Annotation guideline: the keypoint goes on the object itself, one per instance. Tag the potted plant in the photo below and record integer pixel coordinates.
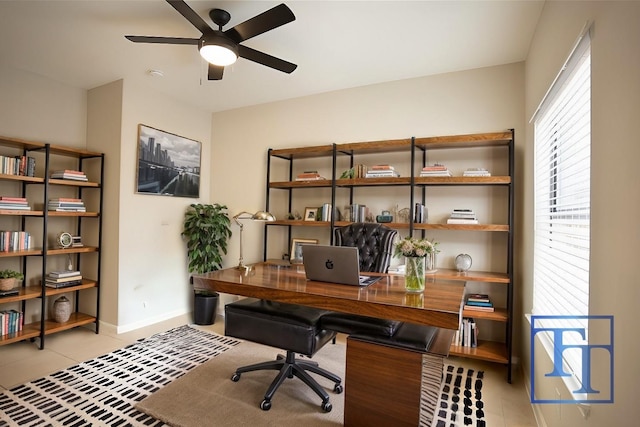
(8, 279)
(207, 229)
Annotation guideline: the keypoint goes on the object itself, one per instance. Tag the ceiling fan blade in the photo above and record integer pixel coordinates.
(215, 72)
(264, 59)
(164, 40)
(195, 19)
(272, 18)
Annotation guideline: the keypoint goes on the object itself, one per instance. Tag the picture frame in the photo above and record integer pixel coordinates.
(295, 255)
(168, 164)
(310, 214)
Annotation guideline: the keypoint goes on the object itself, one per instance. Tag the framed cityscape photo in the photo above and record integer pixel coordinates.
(168, 164)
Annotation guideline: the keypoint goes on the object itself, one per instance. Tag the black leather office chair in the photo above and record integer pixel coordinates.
(375, 248)
(293, 328)
(374, 242)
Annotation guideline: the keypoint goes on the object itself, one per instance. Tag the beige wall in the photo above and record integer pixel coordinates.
(615, 240)
(144, 268)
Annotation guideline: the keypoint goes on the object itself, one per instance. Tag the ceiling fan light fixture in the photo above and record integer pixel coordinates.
(218, 50)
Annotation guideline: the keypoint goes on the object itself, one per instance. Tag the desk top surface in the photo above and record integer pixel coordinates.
(439, 305)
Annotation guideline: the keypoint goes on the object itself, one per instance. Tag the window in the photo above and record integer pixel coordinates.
(562, 128)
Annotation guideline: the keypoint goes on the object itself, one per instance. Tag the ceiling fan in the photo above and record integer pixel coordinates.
(221, 48)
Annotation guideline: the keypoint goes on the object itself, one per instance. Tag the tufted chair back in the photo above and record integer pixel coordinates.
(374, 243)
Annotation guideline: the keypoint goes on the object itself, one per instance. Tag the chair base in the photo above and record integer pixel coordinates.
(290, 366)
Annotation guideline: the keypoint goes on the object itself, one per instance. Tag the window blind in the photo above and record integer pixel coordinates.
(562, 170)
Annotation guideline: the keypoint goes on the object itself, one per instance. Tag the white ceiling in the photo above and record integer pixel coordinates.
(336, 44)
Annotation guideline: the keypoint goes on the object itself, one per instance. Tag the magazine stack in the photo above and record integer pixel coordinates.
(382, 171)
(66, 204)
(462, 216)
(435, 170)
(478, 302)
(73, 175)
(63, 279)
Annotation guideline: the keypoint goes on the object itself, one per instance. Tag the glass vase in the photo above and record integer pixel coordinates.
(430, 263)
(414, 274)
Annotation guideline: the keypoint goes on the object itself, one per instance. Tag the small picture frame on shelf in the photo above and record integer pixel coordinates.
(310, 214)
(295, 255)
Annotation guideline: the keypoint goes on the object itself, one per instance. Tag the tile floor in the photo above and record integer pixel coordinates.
(507, 405)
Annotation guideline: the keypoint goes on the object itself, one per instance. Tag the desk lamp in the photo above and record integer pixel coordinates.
(258, 216)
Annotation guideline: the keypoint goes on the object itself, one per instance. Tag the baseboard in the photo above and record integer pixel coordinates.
(537, 413)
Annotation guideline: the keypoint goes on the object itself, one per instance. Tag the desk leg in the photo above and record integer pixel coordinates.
(382, 385)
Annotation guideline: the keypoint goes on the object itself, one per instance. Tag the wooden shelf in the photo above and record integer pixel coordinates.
(83, 214)
(27, 179)
(20, 212)
(499, 315)
(78, 250)
(465, 141)
(472, 276)
(24, 293)
(26, 252)
(86, 284)
(303, 152)
(76, 319)
(391, 181)
(28, 331)
(73, 183)
(486, 350)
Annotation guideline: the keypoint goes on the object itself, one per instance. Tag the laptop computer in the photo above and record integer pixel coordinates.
(335, 264)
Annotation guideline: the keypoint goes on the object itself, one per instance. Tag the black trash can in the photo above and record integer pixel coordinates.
(205, 307)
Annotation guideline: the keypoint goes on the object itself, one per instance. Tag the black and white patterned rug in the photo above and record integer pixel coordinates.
(104, 390)
(460, 402)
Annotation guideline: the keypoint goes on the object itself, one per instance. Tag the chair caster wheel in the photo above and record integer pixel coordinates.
(235, 377)
(338, 388)
(265, 405)
(327, 406)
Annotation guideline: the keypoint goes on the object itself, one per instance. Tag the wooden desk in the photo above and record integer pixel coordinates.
(439, 305)
(378, 378)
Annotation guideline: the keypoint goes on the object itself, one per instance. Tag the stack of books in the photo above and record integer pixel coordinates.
(15, 241)
(381, 171)
(462, 216)
(479, 302)
(63, 279)
(435, 170)
(476, 172)
(17, 165)
(467, 333)
(69, 174)
(66, 204)
(309, 176)
(10, 321)
(14, 203)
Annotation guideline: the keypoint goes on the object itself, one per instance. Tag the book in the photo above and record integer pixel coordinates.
(478, 297)
(382, 168)
(65, 200)
(9, 293)
(64, 273)
(479, 308)
(461, 221)
(50, 279)
(480, 303)
(381, 174)
(62, 284)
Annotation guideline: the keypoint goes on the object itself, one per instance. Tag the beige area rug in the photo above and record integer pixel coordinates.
(206, 396)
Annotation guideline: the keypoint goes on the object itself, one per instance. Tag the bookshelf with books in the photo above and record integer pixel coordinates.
(32, 198)
(415, 171)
